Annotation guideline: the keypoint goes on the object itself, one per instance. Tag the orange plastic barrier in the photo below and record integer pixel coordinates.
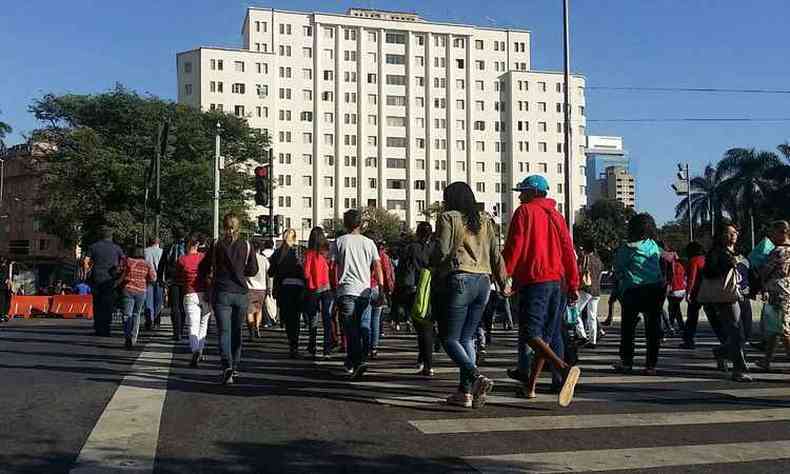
(24, 306)
(72, 306)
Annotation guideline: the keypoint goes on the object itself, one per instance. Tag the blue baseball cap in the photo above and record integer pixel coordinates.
(535, 181)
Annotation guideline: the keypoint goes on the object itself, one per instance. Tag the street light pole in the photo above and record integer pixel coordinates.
(216, 183)
(567, 105)
(688, 200)
(2, 179)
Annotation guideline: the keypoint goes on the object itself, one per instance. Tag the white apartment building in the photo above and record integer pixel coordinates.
(384, 109)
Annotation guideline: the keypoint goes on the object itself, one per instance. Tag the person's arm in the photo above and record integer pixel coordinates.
(151, 277)
(569, 261)
(514, 244)
(444, 240)
(496, 261)
(308, 269)
(378, 273)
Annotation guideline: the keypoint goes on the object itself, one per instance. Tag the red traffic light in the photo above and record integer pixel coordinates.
(261, 171)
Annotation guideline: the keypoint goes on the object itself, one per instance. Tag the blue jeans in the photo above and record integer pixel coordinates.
(540, 311)
(464, 302)
(132, 309)
(356, 321)
(230, 312)
(154, 294)
(374, 314)
(320, 302)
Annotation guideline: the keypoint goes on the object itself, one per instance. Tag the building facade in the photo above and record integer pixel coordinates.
(609, 171)
(384, 109)
(42, 256)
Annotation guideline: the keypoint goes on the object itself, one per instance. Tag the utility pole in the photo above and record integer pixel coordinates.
(157, 178)
(569, 217)
(272, 226)
(2, 179)
(216, 182)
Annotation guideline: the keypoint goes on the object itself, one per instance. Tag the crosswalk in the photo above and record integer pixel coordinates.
(687, 394)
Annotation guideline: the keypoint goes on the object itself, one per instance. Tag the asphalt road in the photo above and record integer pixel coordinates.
(70, 402)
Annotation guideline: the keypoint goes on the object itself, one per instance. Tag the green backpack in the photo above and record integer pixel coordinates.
(422, 301)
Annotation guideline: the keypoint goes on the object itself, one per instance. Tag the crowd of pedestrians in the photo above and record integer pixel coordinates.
(449, 282)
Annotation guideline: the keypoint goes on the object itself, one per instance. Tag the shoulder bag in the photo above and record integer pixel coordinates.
(719, 290)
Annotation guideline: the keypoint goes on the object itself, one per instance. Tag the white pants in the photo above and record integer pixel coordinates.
(590, 332)
(198, 313)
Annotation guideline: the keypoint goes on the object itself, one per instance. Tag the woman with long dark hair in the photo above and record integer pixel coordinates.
(319, 293)
(466, 253)
(642, 290)
(288, 273)
(721, 299)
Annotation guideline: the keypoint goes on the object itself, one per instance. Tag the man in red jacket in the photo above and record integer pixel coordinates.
(539, 255)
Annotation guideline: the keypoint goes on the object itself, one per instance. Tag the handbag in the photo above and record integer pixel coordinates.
(719, 290)
(422, 300)
(270, 307)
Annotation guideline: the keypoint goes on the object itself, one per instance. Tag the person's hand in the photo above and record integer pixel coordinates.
(507, 292)
(573, 296)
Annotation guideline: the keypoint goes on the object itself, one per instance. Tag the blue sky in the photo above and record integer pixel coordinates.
(86, 46)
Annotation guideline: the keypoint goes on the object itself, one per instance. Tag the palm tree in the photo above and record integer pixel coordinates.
(744, 181)
(5, 129)
(704, 201)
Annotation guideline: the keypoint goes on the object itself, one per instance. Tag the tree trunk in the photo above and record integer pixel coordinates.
(751, 225)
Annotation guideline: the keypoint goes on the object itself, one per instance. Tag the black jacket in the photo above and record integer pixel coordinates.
(414, 258)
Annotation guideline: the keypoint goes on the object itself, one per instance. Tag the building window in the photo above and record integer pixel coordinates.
(542, 146)
(395, 59)
(237, 88)
(307, 30)
(395, 38)
(188, 89)
(238, 110)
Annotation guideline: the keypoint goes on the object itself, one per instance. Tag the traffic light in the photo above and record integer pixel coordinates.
(264, 224)
(262, 186)
(279, 223)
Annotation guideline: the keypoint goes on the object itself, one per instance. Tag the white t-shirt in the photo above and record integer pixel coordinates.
(260, 281)
(354, 254)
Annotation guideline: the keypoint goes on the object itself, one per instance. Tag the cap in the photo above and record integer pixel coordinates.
(536, 182)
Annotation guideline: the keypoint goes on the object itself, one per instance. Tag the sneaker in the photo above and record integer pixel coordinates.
(374, 354)
(721, 362)
(195, 359)
(741, 377)
(128, 343)
(227, 377)
(621, 368)
(601, 333)
(480, 389)
(582, 341)
(460, 399)
(426, 373)
(516, 374)
(419, 366)
(566, 393)
(359, 371)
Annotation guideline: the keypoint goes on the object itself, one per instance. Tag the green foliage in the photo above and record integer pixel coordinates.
(604, 223)
(5, 130)
(432, 212)
(105, 144)
(382, 224)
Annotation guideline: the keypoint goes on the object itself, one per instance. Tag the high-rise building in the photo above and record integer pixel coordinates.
(608, 170)
(384, 109)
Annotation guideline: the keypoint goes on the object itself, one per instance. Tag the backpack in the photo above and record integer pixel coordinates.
(678, 282)
(422, 300)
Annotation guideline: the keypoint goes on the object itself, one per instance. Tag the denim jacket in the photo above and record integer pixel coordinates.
(458, 250)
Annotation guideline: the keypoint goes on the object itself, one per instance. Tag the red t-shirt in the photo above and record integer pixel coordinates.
(187, 273)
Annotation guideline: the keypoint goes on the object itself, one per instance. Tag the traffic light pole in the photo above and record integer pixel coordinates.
(569, 217)
(216, 183)
(272, 227)
(688, 200)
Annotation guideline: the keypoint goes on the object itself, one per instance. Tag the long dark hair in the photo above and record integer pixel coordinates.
(317, 240)
(458, 196)
(641, 227)
(721, 230)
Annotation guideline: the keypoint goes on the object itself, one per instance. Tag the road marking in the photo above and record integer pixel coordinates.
(617, 420)
(125, 437)
(631, 459)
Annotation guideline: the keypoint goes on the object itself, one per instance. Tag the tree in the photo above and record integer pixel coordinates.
(104, 144)
(704, 200)
(603, 223)
(744, 177)
(382, 224)
(432, 212)
(5, 130)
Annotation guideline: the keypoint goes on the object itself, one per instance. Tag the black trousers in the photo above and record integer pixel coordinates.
(290, 299)
(177, 312)
(692, 319)
(103, 305)
(675, 313)
(648, 300)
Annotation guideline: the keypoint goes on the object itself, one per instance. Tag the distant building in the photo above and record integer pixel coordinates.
(22, 238)
(385, 109)
(609, 173)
